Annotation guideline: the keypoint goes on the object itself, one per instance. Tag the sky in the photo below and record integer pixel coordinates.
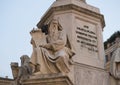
(19, 17)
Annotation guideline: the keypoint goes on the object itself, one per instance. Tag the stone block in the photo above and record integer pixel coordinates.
(49, 79)
(88, 75)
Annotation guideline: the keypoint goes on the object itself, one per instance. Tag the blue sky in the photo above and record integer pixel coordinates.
(18, 17)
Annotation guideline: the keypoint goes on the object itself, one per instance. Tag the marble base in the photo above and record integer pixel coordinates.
(50, 79)
(88, 75)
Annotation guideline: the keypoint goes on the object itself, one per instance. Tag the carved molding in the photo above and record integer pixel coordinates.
(49, 79)
(4, 81)
(71, 7)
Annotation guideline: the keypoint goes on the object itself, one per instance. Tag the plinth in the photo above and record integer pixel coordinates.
(48, 79)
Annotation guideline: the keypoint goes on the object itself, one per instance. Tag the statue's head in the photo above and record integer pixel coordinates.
(24, 58)
(55, 23)
(54, 27)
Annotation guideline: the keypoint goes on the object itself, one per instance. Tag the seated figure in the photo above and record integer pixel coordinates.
(115, 63)
(54, 56)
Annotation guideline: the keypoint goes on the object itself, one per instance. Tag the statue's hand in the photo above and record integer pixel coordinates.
(47, 46)
(44, 46)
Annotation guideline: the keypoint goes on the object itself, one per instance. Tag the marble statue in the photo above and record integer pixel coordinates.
(21, 72)
(54, 55)
(115, 63)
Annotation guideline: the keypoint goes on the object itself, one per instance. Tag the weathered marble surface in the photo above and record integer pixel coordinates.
(21, 72)
(115, 67)
(88, 75)
(115, 63)
(48, 79)
(55, 55)
(82, 26)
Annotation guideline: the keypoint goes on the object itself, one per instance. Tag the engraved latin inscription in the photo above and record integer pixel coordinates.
(87, 38)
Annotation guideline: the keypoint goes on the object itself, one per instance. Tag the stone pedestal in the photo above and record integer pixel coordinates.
(50, 79)
(83, 25)
(89, 75)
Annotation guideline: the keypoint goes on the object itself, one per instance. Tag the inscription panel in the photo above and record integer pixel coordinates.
(87, 38)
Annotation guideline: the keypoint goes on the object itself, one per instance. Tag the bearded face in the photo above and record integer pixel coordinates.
(53, 29)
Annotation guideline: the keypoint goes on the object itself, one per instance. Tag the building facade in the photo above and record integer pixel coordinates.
(5, 81)
(110, 45)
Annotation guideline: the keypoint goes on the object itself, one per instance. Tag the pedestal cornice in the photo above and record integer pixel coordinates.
(48, 79)
(71, 7)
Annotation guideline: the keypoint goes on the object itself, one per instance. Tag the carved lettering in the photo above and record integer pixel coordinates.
(86, 30)
(87, 38)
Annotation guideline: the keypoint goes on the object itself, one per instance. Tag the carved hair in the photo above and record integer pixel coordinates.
(56, 22)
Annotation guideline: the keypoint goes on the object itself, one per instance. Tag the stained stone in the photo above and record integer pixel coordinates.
(69, 51)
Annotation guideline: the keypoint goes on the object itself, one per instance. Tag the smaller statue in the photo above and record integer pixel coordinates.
(21, 72)
(15, 69)
(115, 63)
